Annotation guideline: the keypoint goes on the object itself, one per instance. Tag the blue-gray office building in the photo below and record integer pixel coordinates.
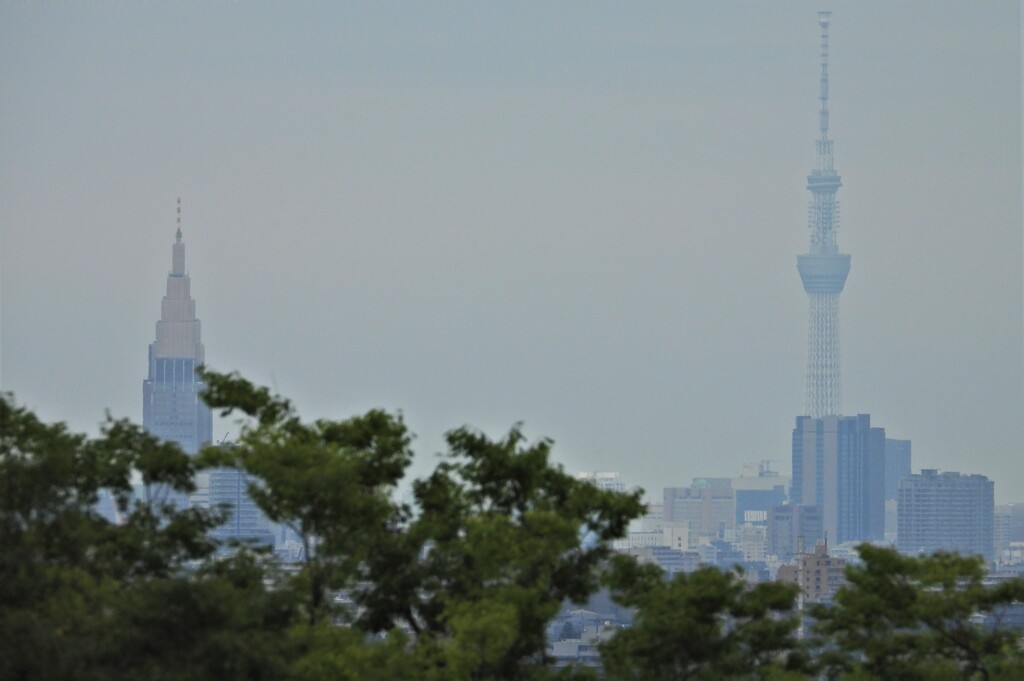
(897, 466)
(229, 489)
(945, 511)
(839, 465)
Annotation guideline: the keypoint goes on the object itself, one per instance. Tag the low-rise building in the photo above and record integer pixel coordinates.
(818, 574)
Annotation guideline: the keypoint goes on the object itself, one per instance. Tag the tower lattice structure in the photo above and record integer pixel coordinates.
(823, 269)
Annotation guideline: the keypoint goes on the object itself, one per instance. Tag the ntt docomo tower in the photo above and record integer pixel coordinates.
(823, 268)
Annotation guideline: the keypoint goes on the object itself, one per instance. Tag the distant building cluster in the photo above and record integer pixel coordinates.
(757, 522)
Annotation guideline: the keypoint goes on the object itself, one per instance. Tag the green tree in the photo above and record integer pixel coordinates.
(329, 481)
(82, 598)
(915, 617)
(499, 538)
(217, 622)
(708, 624)
(502, 538)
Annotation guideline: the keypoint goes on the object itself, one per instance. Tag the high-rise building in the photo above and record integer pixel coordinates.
(1008, 528)
(945, 511)
(171, 405)
(839, 464)
(823, 268)
(818, 574)
(791, 528)
(757, 490)
(707, 507)
(897, 466)
(753, 506)
(229, 489)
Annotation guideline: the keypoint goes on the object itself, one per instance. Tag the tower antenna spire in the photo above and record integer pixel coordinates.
(177, 234)
(824, 143)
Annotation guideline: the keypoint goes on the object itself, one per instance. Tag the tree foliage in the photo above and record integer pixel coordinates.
(329, 481)
(500, 537)
(708, 624)
(917, 617)
(460, 585)
(83, 598)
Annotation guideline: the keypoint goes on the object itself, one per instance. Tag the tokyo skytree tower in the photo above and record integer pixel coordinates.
(823, 269)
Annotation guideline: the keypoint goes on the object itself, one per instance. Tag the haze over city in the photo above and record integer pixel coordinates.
(580, 216)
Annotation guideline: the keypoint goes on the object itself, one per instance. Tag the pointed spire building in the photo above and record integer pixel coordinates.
(171, 406)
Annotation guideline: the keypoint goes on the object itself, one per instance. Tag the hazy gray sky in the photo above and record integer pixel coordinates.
(582, 215)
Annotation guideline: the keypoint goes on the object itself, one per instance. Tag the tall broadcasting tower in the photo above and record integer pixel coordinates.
(823, 269)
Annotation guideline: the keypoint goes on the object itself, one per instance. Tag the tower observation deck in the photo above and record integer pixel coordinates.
(823, 268)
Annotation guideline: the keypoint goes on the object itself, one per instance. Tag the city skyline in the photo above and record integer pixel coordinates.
(585, 221)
